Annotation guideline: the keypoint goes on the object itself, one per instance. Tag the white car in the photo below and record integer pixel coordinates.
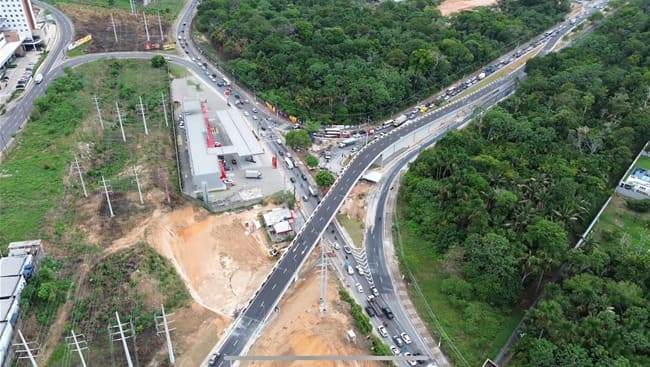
(382, 331)
(359, 287)
(394, 350)
(406, 338)
(410, 361)
(336, 246)
(246, 113)
(360, 270)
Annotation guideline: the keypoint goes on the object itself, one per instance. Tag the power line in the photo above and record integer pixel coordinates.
(81, 177)
(121, 338)
(164, 328)
(27, 352)
(79, 345)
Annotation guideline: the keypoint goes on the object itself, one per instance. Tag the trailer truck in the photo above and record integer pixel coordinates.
(384, 307)
(312, 191)
(399, 120)
(251, 173)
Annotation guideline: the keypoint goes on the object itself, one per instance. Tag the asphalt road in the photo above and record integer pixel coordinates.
(14, 119)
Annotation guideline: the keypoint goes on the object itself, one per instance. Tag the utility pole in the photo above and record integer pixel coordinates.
(164, 106)
(81, 177)
(162, 35)
(132, 6)
(165, 329)
(108, 199)
(77, 345)
(323, 278)
(119, 117)
(146, 27)
(114, 30)
(144, 119)
(99, 112)
(137, 182)
(121, 338)
(27, 352)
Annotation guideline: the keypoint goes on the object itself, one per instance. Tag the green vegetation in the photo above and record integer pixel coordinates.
(324, 179)
(643, 162)
(347, 61)
(282, 197)
(311, 161)
(78, 51)
(298, 139)
(489, 213)
(354, 227)
(158, 61)
(619, 223)
(42, 199)
(361, 319)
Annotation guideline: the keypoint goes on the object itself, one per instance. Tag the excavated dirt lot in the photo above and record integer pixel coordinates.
(130, 29)
(456, 6)
(354, 206)
(300, 329)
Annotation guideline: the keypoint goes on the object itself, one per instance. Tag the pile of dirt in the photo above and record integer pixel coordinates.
(355, 204)
(130, 28)
(300, 329)
(449, 7)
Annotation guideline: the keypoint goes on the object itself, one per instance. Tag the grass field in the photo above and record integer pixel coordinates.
(354, 228)
(643, 162)
(476, 330)
(620, 225)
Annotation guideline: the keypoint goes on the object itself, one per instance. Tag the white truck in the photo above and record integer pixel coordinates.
(252, 173)
(312, 191)
(347, 142)
(288, 162)
(38, 78)
(399, 120)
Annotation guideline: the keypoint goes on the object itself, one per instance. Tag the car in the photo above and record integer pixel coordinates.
(394, 350)
(237, 96)
(398, 340)
(374, 291)
(347, 249)
(254, 110)
(228, 181)
(370, 311)
(292, 179)
(167, 58)
(261, 127)
(406, 338)
(246, 113)
(336, 246)
(382, 331)
(255, 118)
(304, 177)
(233, 161)
(411, 362)
(214, 358)
(305, 198)
(359, 287)
(421, 361)
(360, 270)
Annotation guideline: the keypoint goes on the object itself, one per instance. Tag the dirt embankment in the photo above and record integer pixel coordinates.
(300, 329)
(129, 28)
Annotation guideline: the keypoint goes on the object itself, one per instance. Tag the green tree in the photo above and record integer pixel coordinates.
(324, 179)
(298, 139)
(158, 61)
(311, 161)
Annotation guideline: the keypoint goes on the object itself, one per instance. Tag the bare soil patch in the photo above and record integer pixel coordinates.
(355, 204)
(130, 29)
(300, 329)
(449, 7)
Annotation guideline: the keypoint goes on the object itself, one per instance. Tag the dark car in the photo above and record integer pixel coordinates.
(214, 359)
(292, 179)
(370, 311)
(304, 177)
(234, 161)
(398, 340)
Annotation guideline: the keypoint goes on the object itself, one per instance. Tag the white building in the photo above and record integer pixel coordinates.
(19, 17)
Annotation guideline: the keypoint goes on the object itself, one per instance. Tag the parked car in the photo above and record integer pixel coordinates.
(394, 350)
(336, 246)
(411, 362)
(370, 311)
(398, 340)
(359, 287)
(382, 331)
(406, 338)
(347, 249)
(292, 179)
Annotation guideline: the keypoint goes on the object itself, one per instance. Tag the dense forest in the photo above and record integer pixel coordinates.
(347, 61)
(507, 197)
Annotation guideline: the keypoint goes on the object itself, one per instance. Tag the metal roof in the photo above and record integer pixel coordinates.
(12, 265)
(8, 286)
(244, 142)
